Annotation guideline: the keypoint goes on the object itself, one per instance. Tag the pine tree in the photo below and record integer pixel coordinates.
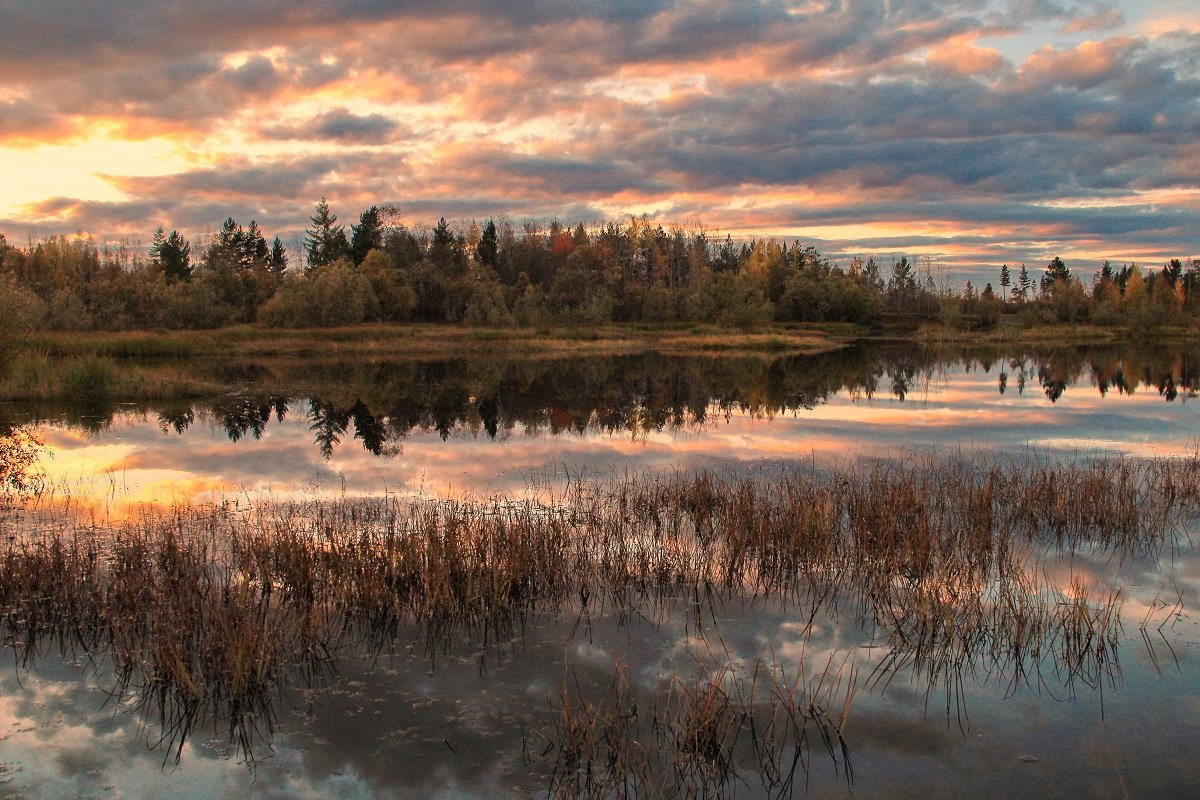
(255, 252)
(903, 281)
(173, 254)
(488, 250)
(1056, 273)
(1173, 271)
(325, 241)
(1005, 281)
(367, 235)
(277, 262)
(441, 251)
(1024, 284)
(156, 245)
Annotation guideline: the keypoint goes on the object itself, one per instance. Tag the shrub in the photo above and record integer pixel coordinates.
(89, 378)
(21, 311)
(333, 295)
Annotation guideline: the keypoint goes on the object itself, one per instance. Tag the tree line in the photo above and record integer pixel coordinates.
(494, 274)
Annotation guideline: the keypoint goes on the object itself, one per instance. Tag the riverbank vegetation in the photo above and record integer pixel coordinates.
(499, 277)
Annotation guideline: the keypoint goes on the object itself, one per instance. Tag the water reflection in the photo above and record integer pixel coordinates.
(645, 392)
(947, 701)
(471, 716)
(20, 452)
(454, 426)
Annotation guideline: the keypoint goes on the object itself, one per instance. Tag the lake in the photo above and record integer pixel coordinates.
(908, 679)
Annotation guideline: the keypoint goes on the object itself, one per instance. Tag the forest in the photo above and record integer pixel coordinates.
(497, 275)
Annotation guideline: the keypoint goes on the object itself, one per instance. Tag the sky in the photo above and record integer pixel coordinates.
(973, 132)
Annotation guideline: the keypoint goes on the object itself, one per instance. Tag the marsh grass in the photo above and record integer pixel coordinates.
(209, 613)
(122, 345)
(96, 379)
(707, 732)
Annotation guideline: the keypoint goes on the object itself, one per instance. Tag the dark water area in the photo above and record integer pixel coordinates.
(475, 713)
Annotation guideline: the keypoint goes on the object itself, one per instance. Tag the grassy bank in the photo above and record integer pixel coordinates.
(437, 340)
(33, 375)
(141, 366)
(418, 340)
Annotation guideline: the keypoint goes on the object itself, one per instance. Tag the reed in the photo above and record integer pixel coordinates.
(699, 734)
(207, 613)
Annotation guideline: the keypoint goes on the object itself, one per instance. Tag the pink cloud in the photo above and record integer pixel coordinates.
(962, 56)
(1083, 66)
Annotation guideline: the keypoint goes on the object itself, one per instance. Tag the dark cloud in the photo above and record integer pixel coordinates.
(239, 178)
(339, 125)
(26, 121)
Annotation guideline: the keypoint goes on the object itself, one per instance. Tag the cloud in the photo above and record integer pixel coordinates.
(24, 122)
(239, 177)
(768, 115)
(962, 56)
(1082, 67)
(1105, 20)
(339, 125)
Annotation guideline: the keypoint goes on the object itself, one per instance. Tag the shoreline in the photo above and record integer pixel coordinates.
(147, 365)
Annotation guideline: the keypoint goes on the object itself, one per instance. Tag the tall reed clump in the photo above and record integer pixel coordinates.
(207, 612)
(699, 734)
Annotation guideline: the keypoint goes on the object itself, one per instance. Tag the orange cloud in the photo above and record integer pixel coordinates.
(962, 56)
(1082, 66)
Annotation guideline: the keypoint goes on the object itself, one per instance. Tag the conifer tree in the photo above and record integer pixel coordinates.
(488, 249)
(367, 235)
(173, 254)
(255, 252)
(441, 250)
(1024, 284)
(277, 262)
(1056, 274)
(325, 241)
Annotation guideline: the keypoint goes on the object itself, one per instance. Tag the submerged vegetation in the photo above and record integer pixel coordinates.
(209, 614)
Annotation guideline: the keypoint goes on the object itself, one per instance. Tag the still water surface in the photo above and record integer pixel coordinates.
(466, 720)
(453, 427)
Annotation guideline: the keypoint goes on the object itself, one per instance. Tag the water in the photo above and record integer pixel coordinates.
(468, 718)
(453, 427)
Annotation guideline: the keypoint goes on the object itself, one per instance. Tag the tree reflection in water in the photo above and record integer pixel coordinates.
(387, 402)
(20, 474)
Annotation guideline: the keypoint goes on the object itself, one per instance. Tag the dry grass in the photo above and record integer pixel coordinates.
(207, 613)
(705, 733)
(443, 340)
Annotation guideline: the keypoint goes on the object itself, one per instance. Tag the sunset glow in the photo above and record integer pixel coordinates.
(974, 133)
